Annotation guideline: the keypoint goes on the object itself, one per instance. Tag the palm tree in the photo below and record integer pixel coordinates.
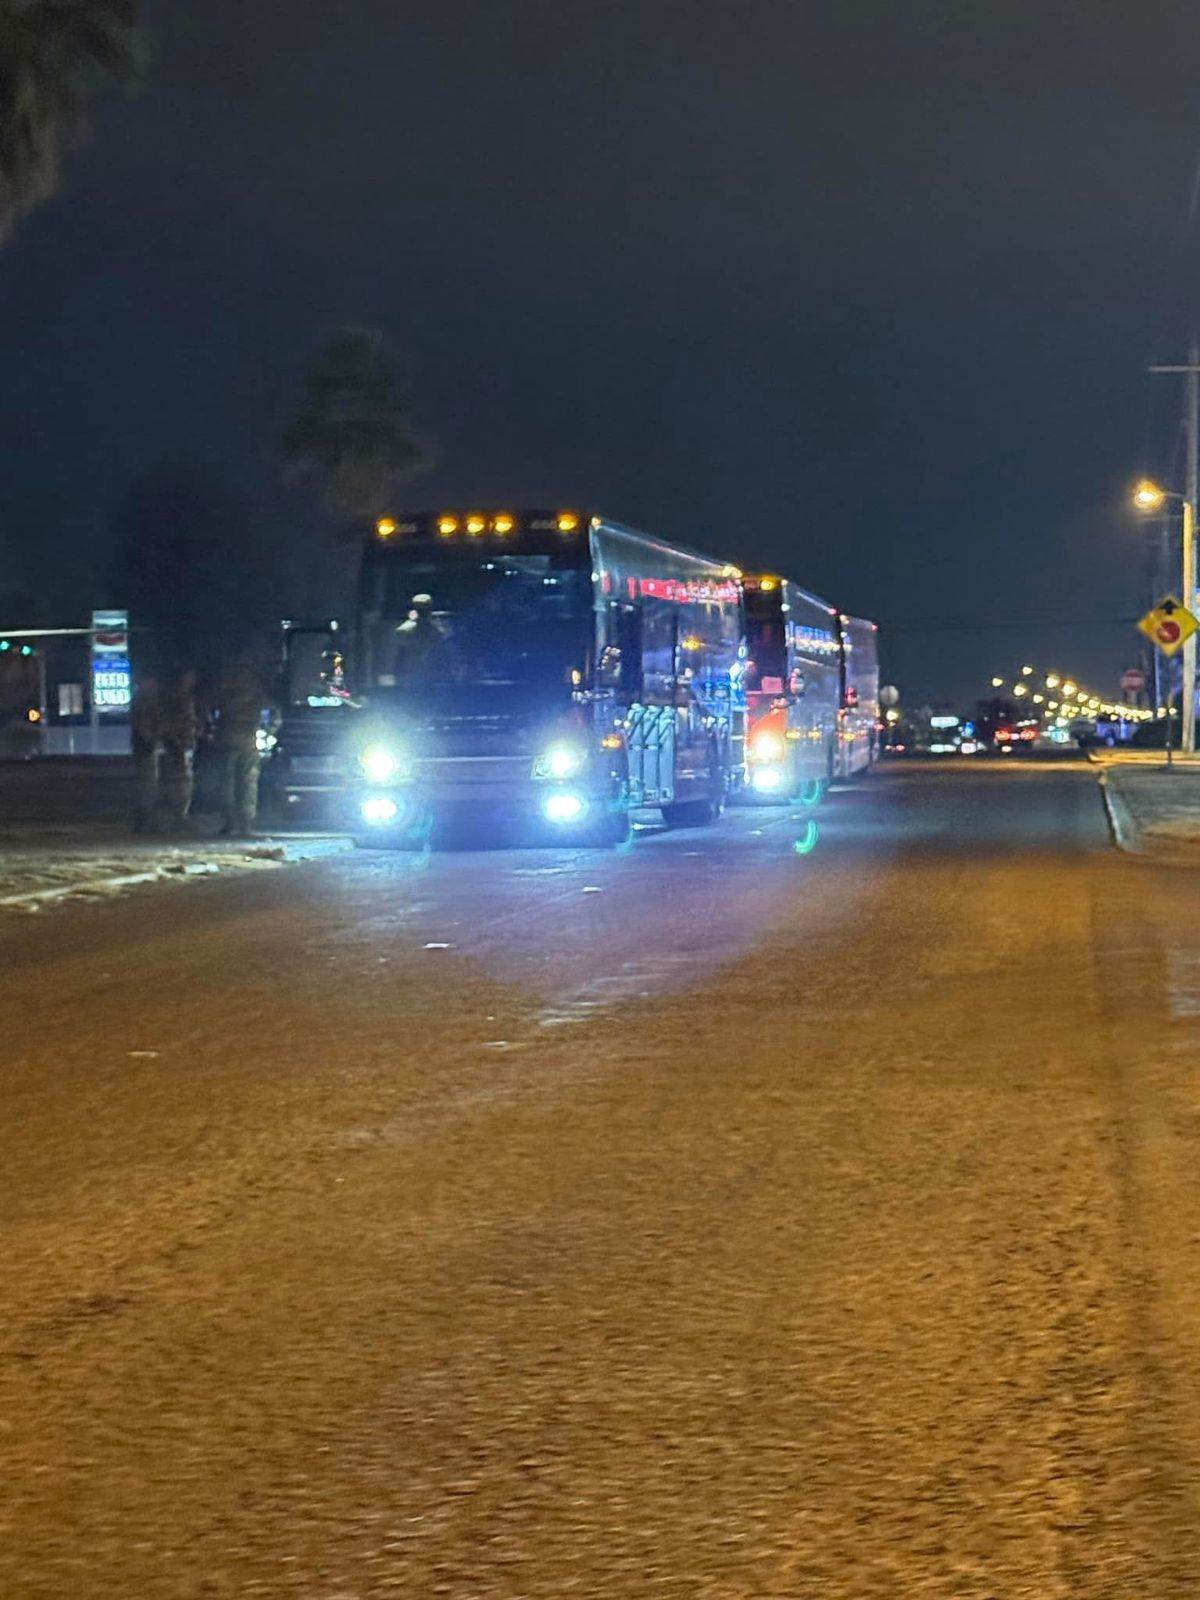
(52, 54)
(350, 432)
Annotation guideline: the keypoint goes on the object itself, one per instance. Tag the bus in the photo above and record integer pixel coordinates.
(792, 687)
(543, 667)
(858, 716)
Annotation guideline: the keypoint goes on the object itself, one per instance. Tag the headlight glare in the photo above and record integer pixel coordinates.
(558, 762)
(564, 808)
(380, 763)
(767, 747)
(768, 780)
(379, 809)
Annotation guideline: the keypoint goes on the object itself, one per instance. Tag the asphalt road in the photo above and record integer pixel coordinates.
(718, 1219)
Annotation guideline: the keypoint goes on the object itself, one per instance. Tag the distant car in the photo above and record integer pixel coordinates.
(1007, 740)
(1152, 735)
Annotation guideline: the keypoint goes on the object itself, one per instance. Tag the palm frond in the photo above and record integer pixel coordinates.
(350, 432)
(53, 55)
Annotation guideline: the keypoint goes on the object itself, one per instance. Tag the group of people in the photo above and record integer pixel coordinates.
(170, 721)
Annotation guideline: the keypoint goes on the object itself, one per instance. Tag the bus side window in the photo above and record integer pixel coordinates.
(660, 651)
(620, 665)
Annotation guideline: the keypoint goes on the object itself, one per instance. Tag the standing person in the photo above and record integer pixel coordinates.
(146, 726)
(239, 707)
(180, 729)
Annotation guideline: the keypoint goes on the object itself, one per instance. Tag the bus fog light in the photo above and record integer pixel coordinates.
(379, 809)
(563, 808)
(767, 780)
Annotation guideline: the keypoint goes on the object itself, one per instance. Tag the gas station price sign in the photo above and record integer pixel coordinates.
(112, 675)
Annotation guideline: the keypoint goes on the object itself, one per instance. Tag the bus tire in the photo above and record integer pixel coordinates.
(611, 830)
(692, 813)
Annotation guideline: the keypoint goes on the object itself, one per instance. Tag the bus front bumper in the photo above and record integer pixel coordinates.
(482, 808)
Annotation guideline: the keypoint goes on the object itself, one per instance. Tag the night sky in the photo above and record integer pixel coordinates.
(861, 291)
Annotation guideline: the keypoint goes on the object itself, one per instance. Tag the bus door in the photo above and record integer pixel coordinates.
(674, 667)
(649, 728)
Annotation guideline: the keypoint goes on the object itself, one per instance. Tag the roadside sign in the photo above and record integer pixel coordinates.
(889, 695)
(70, 699)
(112, 679)
(1170, 625)
(1133, 680)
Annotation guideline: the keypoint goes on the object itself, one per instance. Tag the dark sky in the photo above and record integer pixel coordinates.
(862, 291)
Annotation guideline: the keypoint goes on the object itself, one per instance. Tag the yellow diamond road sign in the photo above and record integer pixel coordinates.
(1169, 626)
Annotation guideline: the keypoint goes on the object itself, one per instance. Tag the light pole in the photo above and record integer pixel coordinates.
(1150, 496)
(1190, 371)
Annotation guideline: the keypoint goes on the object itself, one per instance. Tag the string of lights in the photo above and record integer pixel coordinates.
(1056, 699)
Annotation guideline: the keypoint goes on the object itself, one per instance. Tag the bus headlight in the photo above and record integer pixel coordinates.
(382, 763)
(559, 761)
(264, 741)
(767, 747)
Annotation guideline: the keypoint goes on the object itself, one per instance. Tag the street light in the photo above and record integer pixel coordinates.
(1150, 496)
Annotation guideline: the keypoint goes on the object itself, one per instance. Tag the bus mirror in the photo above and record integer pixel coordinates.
(608, 668)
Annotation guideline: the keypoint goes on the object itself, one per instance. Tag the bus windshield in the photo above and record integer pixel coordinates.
(513, 625)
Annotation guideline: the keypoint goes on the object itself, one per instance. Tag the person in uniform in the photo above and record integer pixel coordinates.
(180, 729)
(146, 726)
(239, 706)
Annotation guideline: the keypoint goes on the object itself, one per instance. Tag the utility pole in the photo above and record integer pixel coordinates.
(1191, 371)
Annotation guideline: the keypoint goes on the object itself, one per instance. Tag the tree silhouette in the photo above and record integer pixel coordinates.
(190, 565)
(350, 432)
(53, 55)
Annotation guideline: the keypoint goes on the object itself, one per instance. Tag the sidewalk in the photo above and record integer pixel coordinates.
(1153, 811)
(64, 834)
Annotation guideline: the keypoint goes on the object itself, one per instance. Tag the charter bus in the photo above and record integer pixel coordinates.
(792, 683)
(532, 667)
(858, 717)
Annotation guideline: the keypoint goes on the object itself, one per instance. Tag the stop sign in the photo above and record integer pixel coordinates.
(1133, 680)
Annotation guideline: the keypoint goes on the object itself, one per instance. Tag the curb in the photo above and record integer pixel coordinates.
(127, 880)
(1120, 819)
(294, 850)
(334, 844)
(1131, 841)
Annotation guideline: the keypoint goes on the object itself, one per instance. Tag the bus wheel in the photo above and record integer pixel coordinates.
(611, 830)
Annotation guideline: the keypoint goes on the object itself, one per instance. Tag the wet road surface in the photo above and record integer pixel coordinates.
(718, 1219)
